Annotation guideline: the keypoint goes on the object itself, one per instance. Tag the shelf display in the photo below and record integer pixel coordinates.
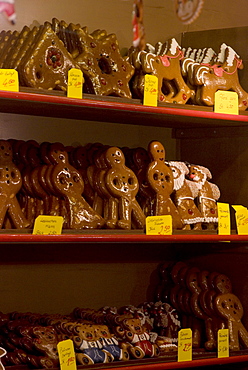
(86, 184)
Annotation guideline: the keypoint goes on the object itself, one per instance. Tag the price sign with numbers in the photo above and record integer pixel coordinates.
(226, 102)
(48, 225)
(224, 222)
(67, 359)
(9, 80)
(75, 83)
(223, 343)
(184, 345)
(241, 216)
(151, 91)
(159, 225)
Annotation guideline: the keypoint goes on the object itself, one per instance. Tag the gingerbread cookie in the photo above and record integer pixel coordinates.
(10, 183)
(123, 185)
(68, 183)
(230, 308)
(47, 63)
(208, 194)
(223, 75)
(106, 71)
(160, 179)
(185, 192)
(171, 85)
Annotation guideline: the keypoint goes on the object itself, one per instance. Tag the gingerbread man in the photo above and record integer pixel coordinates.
(122, 184)
(160, 178)
(68, 183)
(10, 185)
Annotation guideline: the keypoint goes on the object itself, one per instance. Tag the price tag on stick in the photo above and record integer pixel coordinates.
(223, 343)
(159, 225)
(151, 91)
(241, 216)
(48, 225)
(75, 83)
(224, 222)
(226, 102)
(185, 345)
(9, 80)
(67, 359)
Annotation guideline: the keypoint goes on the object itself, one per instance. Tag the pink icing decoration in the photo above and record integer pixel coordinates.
(165, 60)
(218, 71)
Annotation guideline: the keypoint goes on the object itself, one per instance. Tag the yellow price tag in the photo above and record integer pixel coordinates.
(184, 345)
(159, 225)
(224, 222)
(9, 80)
(226, 102)
(241, 216)
(48, 225)
(151, 91)
(66, 353)
(75, 83)
(223, 343)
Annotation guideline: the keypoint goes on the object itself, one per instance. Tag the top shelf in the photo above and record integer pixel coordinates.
(114, 110)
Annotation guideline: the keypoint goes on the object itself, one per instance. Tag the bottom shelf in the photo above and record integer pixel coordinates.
(200, 360)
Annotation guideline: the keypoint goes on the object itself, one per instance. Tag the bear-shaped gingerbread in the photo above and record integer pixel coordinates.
(136, 339)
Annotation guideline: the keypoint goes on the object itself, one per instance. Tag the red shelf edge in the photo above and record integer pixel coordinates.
(42, 98)
(183, 365)
(120, 238)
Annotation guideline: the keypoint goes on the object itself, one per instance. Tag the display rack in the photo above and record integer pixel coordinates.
(110, 109)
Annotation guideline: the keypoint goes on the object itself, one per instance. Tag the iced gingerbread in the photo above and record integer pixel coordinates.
(185, 192)
(208, 194)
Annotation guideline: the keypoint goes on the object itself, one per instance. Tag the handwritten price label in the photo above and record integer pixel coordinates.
(151, 91)
(184, 345)
(159, 225)
(48, 225)
(224, 222)
(241, 216)
(223, 343)
(67, 357)
(75, 83)
(9, 80)
(226, 102)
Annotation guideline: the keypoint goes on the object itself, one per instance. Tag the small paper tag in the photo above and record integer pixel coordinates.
(75, 83)
(184, 345)
(159, 225)
(241, 216)
(226, 102)
(224, 223)
(9, 80)
(67, 357)
(48, 225)
(223, 343)
(151, 91)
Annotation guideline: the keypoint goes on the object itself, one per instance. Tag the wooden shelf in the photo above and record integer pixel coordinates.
(115, 110)
(156, 365)
(126, 237)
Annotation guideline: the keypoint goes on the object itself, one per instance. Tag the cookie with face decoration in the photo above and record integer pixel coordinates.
(208, 194)
(185, 192)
